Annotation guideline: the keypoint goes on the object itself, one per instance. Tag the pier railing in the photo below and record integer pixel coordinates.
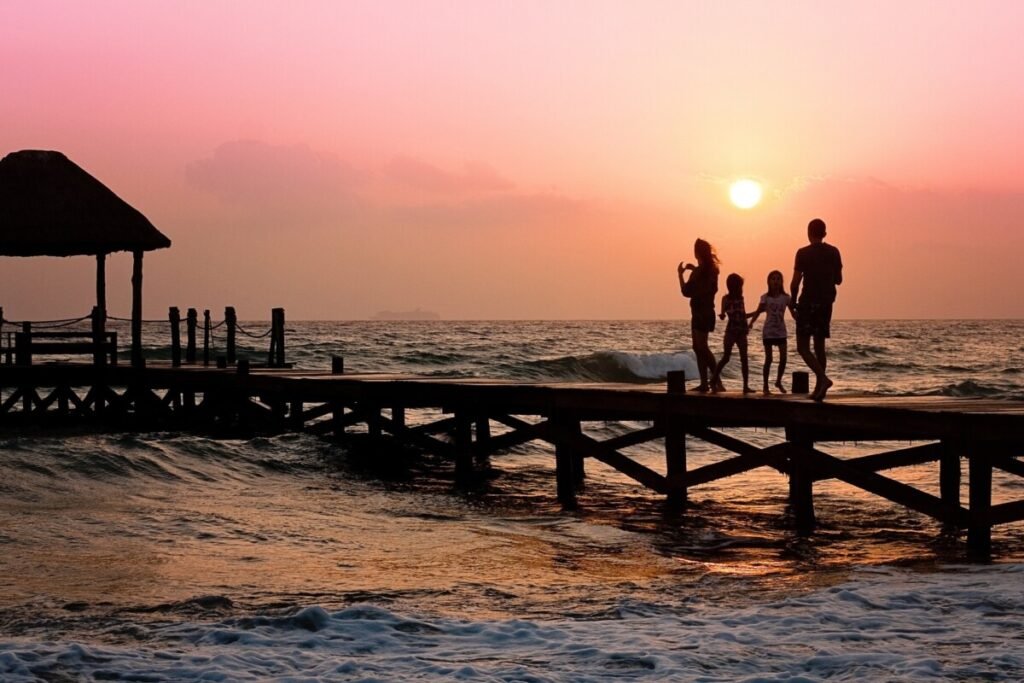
(22, 341)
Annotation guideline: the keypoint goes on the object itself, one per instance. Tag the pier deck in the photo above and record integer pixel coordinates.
(988, 434)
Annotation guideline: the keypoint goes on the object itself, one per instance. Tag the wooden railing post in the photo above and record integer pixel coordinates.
(231, 322)
(174, 316)
(276, 359)
(191, 322)
(206, 337)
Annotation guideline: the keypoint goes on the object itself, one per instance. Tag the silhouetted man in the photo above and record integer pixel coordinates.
(820, 268)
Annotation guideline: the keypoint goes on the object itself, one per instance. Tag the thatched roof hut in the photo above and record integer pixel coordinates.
(49, 206)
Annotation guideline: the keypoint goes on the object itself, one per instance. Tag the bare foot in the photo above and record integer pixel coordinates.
(766, 391)
(702, 389)
(747, 390)
(819, 391)
(778, 385)
(719, 386)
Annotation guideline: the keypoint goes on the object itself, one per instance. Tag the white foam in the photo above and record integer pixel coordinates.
(958, 624)
(657, 365)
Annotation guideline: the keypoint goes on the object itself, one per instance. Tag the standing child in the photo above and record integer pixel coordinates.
(773, 304)
(735, 329)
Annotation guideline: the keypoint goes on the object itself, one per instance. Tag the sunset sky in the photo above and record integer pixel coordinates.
(526, 159)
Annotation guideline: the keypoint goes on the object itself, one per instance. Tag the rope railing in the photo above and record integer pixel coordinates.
(221, 343)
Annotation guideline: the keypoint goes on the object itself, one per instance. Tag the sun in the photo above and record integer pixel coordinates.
(745, 193)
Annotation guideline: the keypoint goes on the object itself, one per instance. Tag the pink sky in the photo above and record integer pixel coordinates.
(526, 159)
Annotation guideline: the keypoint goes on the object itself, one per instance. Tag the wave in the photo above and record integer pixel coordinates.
(882, 624)
(613, 366)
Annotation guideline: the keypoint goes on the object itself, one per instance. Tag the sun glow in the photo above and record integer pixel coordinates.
(745, 193)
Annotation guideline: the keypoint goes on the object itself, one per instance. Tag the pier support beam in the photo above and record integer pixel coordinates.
(949, 472)
(463, 447)
(565, 461)
(979, 530)
(801, 483)
(675, 446)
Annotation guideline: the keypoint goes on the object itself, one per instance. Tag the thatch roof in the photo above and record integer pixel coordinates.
(49, 206)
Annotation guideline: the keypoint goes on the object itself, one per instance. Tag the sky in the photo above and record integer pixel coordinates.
(526, 159)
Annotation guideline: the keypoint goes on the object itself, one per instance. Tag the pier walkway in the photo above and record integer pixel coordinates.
(468, 420)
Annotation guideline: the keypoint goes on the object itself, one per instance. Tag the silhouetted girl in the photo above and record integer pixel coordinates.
(773, 304)
(735, 330)
(701, 288)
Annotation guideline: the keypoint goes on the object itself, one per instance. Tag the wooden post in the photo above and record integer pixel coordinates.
(174, 317)
(801, 484)
(565, 478)
(99, 337)
(231, 322)
(191, 322)
(295, 418)
(137, 360)
(23, 345)
(398, 417)
(949, 473)
(242, 367)
(483, 441)
(206, 337)
(463, 447)
(337, 365)
(801, 383)
(979, 529)
(337, 419)
(675, 445)
(276, 359)
(101, 284)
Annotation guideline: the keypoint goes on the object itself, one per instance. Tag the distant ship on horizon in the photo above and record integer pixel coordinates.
(417, 314)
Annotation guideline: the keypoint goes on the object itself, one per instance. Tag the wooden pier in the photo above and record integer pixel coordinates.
(468, 421)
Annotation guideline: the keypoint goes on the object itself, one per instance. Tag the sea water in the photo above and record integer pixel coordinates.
(171, 556)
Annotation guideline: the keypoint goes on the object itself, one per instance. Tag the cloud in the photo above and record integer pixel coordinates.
(258, 173)
(476, 177)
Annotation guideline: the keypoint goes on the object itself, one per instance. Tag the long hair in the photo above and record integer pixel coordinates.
(782, 282)
(705, 254)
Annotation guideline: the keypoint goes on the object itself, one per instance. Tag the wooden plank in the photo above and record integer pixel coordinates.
(903, 457)
(635, 438)
(1007, 512)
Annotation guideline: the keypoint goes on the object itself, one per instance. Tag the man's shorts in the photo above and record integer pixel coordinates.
(813, 319)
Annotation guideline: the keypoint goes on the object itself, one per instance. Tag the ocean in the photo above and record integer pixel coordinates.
(172, 556)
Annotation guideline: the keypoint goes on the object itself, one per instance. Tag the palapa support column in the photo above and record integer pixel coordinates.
(137, 359)
(801, 483)
(174, 318)
(231, 323)
(675, 445)
(979, 529)
(191, 323)
(99, 337)
(463, 447)
(101, 284)
(565, 461)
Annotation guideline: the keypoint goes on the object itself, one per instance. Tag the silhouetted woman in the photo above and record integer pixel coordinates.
(700, 289)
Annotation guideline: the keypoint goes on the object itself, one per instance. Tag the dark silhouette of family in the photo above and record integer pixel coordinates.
(818, 269)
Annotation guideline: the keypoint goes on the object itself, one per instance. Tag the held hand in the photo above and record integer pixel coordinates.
(721, 316)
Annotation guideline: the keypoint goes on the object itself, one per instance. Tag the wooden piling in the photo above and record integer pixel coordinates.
(801, 483)
(565, 462)
(979, 529)
(949, 472)
(675, 445)
(191, 323)
(276, 359)
(483, 441)
(463, 447)
(174, 318)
